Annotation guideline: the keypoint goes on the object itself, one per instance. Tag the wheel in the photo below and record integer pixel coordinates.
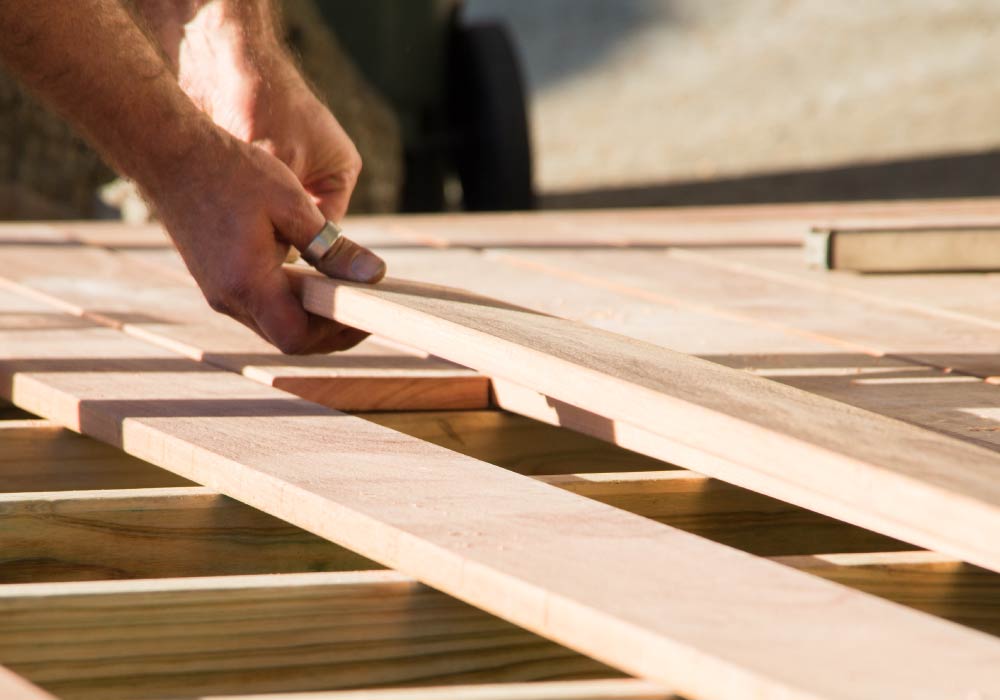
(488, 111)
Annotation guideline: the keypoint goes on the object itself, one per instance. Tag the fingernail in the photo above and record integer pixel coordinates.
(367, 267)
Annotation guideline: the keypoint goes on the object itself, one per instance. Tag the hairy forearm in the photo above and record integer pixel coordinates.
(186, 27)
(91, 61)
(227, 54)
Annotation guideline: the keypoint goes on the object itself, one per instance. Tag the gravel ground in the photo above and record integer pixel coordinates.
(634, 92)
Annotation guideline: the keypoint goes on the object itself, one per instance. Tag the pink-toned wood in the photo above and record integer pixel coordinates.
(649, 599)
(665, 278)
(170, 311)
(812, 451)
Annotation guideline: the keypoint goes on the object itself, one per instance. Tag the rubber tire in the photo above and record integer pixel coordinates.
(488, 110)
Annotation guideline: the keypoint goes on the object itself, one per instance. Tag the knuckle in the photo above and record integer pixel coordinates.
(292, 344)
(217, 303)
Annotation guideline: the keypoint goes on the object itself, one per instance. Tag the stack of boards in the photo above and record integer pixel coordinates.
(630, 455)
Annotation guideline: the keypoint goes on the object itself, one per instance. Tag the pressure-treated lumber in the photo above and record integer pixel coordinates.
(814, 452)
(609, 689)
(151, 533)
(242, 634)
(515, 442)
(397, 500)
(925, 581)
(37, 455)
(170, 311)
(911, 249)
(724, 513)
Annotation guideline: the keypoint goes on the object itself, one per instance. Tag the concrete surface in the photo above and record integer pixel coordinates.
(633, 92)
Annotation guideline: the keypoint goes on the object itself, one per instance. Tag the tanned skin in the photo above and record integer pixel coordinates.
(198, 102)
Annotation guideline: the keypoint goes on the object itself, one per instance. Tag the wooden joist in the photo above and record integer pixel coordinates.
(818, 453)
(398, 504)
(251, 634)
(38, 455)
(152, 533)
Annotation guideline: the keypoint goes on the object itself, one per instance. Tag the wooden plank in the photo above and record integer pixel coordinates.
(838, 369)
(817, 453)
(515, 442)
(925, 581)
(678, 278)
(242, 634)
(150, 533)
(397, 500)
(38, 455)
(913, 249)
(694, 227)
(968, 297)
(609, 689)
(169, 310)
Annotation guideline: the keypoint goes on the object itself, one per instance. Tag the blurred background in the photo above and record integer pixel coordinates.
(510, 104)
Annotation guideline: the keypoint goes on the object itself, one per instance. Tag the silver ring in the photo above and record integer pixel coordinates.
(320, 245)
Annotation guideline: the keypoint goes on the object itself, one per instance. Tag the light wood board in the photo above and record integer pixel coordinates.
(398, 500)
(815, 452)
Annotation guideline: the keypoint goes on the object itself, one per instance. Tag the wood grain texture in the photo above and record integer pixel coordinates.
(677, 278)
(295, 632)
(152, 533)
(167, 309)
(694, 227)
(967, 297)
(515, 442)
(817, 453)
(924, 581)
(474, 530)
(38, 455)
(611, 689)
(725, 513)
(720, 332)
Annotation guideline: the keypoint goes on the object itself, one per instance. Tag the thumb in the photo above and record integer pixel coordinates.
(300, 223)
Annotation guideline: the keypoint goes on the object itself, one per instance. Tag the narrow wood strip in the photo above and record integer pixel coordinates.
(475, 531)
(169, 311)
(967, 297)
(611, 689)
(817, 453)
(845, 371)
(681, 279)
(38, 455)
(151, 533)
(696, 227)
(243, 634)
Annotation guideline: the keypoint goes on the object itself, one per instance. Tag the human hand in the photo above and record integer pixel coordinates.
(233, 210)
(238, 72)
